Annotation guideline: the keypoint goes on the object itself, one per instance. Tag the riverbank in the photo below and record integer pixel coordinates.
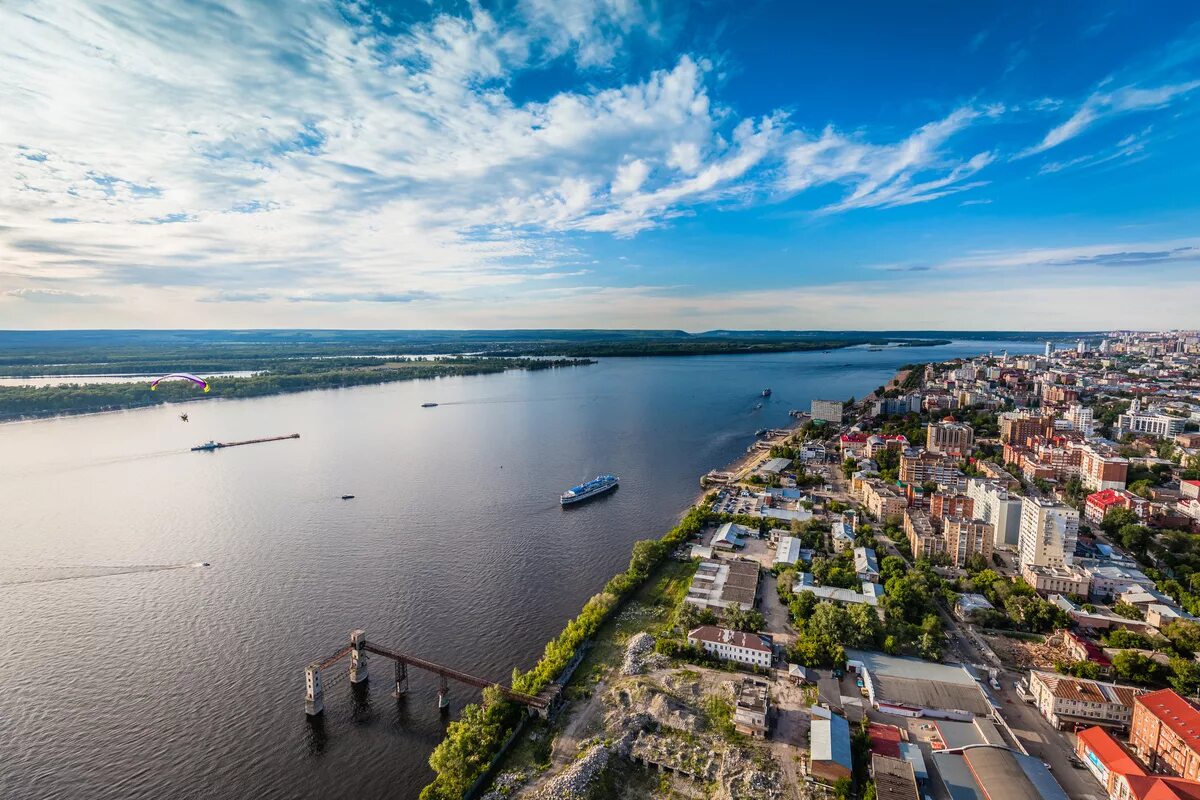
(30, 402)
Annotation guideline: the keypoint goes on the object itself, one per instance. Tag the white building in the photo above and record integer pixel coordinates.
(866, 565)
(1066, 701)
(1150, 422)
(788, 550)
(1081, 419)
(1048, 533)
(842, 536)
(729, 645)
(827, 410)
(993, 504)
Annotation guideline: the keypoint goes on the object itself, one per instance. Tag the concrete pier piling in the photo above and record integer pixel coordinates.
(358, 657)
(314, 690)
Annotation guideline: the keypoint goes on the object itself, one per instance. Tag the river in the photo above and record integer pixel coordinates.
(127, 672)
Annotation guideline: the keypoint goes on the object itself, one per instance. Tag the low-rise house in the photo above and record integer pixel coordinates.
(866, 565)
(1098, 504)
(788, 551)
(752, 708)
(895, 778)
(753, 649)
(1068, 702)
(774, 466)
(842, 535)
(1107, 579)
(1082, 649)
(829, 746)
(724, 584)
(870, 594)
(968, 605)
(730, 536)
(1055, 580)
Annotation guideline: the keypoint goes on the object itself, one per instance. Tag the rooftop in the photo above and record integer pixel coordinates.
(830, 737)
(1113, 755)
(750, 641)
(1176, 713)
(1065, 687)
(895, 778)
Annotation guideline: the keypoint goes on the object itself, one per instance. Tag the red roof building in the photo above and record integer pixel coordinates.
(1122, 776)
(1165, 734)
(1100, 503)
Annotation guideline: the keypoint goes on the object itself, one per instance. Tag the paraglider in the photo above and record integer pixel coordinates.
(185, 376)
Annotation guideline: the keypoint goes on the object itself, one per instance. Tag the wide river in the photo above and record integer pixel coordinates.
(122, 679)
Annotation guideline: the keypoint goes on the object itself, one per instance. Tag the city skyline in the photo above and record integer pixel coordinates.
(598, 164)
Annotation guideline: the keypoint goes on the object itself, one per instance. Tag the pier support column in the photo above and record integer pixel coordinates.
(358, 657)
(314, 690)
(443, 691)
(401, 680)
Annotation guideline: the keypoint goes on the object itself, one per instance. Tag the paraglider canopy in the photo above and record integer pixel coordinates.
(183, 376)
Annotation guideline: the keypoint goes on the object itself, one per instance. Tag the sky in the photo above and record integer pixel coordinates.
(600, 164)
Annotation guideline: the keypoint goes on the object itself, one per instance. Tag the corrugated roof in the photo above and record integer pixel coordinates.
(750, 641)
(894, 778)
(830, 740)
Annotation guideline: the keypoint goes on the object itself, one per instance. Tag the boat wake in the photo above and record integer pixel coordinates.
(86, 572)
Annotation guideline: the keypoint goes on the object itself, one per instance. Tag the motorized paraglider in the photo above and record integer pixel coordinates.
(183, 376)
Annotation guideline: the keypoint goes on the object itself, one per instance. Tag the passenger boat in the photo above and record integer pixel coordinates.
(585, 491)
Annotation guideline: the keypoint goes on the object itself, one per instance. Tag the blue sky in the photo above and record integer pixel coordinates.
(600, 163)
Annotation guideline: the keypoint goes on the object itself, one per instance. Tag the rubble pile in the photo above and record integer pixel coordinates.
(641, 645)
(741, 777)
(689, 756)
(505, 785)
(573, 783)
(1029, 654)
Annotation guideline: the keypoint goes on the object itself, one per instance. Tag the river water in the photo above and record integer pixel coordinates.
(127, 672)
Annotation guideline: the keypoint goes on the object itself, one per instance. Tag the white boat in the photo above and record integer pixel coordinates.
(585, 491)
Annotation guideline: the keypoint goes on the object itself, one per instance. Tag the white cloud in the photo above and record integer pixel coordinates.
(630, 177)
(1109, 103)
(913, 170)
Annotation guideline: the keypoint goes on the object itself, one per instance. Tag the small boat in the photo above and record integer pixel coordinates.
(209, 445)
(347, 497)
(757, 406)
(428, 405)
(766, 392)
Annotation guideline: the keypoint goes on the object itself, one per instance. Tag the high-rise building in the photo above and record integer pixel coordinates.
(951, 505)
(1101, 468)
(1017, 426)
(1048, 533)
(994, 505)
(967, 537)
(1080, 347)
(1049, 348)
(1081, 419)
(1165, 733)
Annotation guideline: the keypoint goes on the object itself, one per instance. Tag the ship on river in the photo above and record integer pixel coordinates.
(586, 491)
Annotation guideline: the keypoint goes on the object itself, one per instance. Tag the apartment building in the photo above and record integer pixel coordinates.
(923, 538)
(920, 466)
(1081, 419)
(950, 438)
(1017, 426)
(882, 500)
(1165, 734)
(1048, 533)
(1067, 702)
(966, 537)
(1101, 468)
(993, 504)
(951, 505)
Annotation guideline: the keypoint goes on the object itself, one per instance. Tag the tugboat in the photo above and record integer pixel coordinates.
(766, 392)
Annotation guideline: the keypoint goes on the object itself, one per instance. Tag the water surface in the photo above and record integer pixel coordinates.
(126, 672)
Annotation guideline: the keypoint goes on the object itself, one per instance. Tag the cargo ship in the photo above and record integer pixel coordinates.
(585, 491)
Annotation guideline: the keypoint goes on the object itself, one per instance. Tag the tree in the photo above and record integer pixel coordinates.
(740, 620)
(1132, 666)
(849, 467)
(803, 605)
(1127, 610)
(1116, 519)
(1184, 634)
(1185, 676)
